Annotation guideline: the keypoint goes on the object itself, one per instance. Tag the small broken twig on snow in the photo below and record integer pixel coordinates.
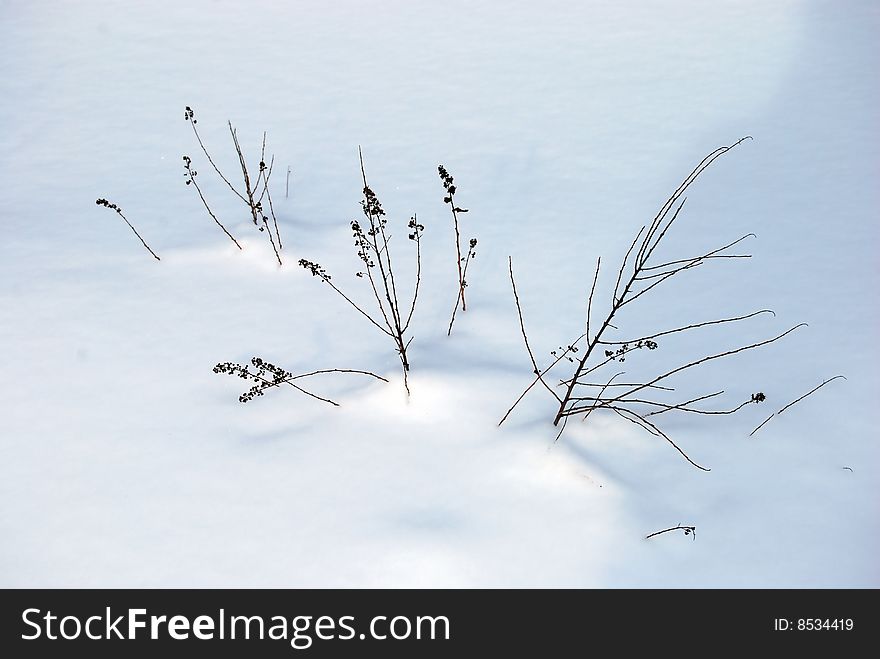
(688, 530)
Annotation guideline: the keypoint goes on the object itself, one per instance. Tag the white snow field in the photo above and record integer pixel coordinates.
(124, 461)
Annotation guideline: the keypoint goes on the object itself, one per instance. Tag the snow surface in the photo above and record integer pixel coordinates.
(124, 461)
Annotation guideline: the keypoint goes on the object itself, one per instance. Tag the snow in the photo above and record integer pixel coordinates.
(124, 461)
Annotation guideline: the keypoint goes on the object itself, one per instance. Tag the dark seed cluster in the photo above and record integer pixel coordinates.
(418, 229)
(620, 353)
(258, 210)
(107, 204)
(372, 208)
(758, 397)
(472, 253)
(316, 269)
(565, 352)
(265, 375)
(448, 183)
(189, 115)
(362, 242)
(449, 186)
(190, 173)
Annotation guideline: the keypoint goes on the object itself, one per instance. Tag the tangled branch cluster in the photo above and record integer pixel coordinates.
(586, 391)
(253, 193)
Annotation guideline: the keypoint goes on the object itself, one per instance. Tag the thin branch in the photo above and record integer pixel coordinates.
(688, 181)
(191, 180)
(417, 237)
(647, 254)
(538, 378)
(706, 258)
(688, 327)
(458, 299)
(266, 192)
(690, 264)
(663, 435)
(318, 271)
(107, 204)
(590, 299)
(522, 326)
(665, 407)
(619, 384)
(309, 393)
(361, 311)
(797, 400)
(623, 266)
(602, 391)
(338, 370)
(707, 359)
(687, 402)
(449, 187)
(605, 402)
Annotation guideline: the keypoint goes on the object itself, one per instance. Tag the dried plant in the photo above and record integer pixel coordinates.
(461, 261)
(266, 375)
(107, 204)
(372, 238)
(586, 390)
(253, 192)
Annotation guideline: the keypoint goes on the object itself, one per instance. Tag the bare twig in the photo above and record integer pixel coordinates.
(461, 262)
(319, 272)
(522, 326)
(539, 376)
(190, 175)
(590, 299)
(660, 433)
(687, 327)
(107, 204)
(688, 530)
(417, 237)
(797, 400)
(459, 300)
